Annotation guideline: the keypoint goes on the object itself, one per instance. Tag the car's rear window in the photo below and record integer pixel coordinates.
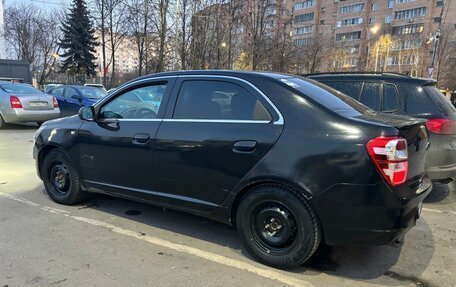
(325, 95)
(20, 89)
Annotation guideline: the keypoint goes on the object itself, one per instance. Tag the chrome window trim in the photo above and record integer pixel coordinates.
(217, 121)
(121, 88)
(280, 121)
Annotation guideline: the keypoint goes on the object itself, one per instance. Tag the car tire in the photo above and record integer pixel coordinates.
(277, 226)
(60, 178)
(2, 122)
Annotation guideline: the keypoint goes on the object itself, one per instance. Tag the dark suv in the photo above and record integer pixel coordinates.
(288, 161)
(404, 95)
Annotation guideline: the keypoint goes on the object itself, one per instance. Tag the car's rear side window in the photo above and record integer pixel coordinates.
(57, 91)
(370, 95)
(350, 88)
(442, 102)
(390, 98)
(418, 103)
(218, 100)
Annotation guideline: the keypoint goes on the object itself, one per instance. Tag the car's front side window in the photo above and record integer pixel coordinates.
(139, 103)
(218, 100)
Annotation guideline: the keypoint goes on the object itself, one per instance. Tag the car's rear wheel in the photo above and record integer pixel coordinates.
(2, 122)
(277, 226)
(61, 179)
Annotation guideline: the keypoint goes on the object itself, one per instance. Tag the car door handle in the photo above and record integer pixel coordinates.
(244, 146)
(141, 139)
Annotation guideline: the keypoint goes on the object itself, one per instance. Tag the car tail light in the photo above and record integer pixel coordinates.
(15, 102)
(441, 126)
(56, 104)
(390, 157)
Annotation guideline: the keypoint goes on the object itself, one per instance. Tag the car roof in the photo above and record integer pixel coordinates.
(376, 76)
(232, 73)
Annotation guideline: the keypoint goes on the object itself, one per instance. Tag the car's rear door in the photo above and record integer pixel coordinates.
(73, 104)
(116, 150)
(207, 143)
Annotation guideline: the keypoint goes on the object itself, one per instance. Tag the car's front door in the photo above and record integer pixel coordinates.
(215, 130)
(116, 150)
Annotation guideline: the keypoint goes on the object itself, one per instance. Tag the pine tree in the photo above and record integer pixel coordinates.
(78, 41)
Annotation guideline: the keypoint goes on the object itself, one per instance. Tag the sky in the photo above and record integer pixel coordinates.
(45, 4)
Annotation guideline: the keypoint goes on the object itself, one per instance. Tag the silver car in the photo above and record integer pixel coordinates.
(23, 103)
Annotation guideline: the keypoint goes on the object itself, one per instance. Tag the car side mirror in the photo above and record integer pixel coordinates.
(87, 113)
(77, 97)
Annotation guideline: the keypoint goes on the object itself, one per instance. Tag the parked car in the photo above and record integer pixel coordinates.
(72, 97)
(404, 95)
(48, 87)
(288, 161)
(23, 103)
(99, 86)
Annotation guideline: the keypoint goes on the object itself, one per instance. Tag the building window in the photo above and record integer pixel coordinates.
(322, 22)
(408, 29)
(351, 49)
(348, 36)
(352, 8)
(440, 3)
(302, 30)
(410, 13)
(373, 7)
(349, 22)
(437, 20)
(304, 4)
(407, 44)
(390, 4)
(371, 20)
(388, 19)
(302, 42)
(404, 1)
(303, 17)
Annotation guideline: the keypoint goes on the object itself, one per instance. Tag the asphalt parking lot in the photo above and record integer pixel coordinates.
(114, 242)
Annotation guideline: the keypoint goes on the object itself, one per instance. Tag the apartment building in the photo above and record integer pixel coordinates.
(354, 27)
(126, 59)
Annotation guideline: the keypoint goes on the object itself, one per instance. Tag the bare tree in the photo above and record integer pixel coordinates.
(260, 13)
(138, 14)
(33, 36)
(445, 55)
(22, 31)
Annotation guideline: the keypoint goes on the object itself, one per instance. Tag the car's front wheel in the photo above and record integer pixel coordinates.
(60, 178)
(277, 226)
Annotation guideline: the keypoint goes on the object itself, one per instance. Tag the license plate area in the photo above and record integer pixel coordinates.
(38, 104)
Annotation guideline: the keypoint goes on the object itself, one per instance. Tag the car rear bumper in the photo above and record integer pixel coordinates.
(441, 158)
(369, 214)
(21, 115)
(441, 173)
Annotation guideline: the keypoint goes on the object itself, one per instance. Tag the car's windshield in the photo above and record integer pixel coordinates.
(20, 89)
(92, 93)
(326, 96)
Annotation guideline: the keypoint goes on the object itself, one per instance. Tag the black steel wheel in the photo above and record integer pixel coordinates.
(60, 178)
(277, 226)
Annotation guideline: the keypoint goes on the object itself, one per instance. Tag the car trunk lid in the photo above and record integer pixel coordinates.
(36, 101)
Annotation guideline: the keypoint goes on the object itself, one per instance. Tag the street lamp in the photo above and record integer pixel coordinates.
(223, 45)
(434, 38)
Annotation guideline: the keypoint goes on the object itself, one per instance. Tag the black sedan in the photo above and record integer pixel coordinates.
(288, 161)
